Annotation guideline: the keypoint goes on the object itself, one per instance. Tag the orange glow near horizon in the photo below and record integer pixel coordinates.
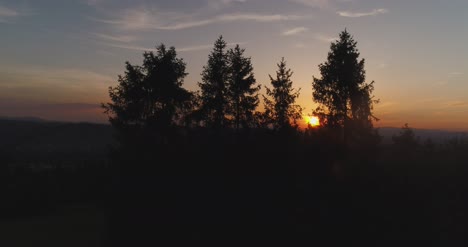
(312, 121)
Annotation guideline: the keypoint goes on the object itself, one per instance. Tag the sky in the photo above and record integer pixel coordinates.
(58, 57)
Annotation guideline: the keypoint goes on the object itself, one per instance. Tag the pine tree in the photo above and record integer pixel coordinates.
(280, 107)
(345, 100)
(213, 87)
(243, 97)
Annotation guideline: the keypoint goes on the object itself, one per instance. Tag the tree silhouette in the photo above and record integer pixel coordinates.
(346, 101)
(213, 87)
(150, 96)
(243, 97)
(406, 140)
(279, 106)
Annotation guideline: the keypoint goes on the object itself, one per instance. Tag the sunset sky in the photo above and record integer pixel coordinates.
(57, 58)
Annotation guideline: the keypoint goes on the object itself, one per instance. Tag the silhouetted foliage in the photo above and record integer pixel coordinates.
(214, 100)
(242, 92)
(193, 113)
(150, 97)
(346, 101)
(280, 107)
(406, 140)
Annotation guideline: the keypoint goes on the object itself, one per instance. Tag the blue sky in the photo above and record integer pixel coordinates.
(57, 58)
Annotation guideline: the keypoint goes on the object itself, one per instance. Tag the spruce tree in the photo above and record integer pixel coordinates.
(280, 107)
(345, 99)
(214, 103)
(243, 94)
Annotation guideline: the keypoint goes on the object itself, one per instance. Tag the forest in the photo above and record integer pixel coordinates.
(226, 164)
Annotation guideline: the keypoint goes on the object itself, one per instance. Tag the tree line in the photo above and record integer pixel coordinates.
(151, 97)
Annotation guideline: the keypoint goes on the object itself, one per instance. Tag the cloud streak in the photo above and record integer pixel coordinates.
(455, 74)
(123, 38)
(324, 38)
(129, 47)
(182, 49)
(458, 103)
(206, 47)
(7, 13)
(142, 19)
(53, 84)
(14, 76)
(295, 31)
(313, 3)
(362, 14)
(258, 18)
(219, 4)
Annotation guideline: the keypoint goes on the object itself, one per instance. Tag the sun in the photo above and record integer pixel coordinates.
(312, 121)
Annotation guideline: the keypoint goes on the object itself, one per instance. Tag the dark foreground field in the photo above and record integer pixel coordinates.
(254, 188)
(72, 225)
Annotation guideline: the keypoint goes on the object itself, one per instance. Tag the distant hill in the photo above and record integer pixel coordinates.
(31, 138)
(23, 119)
(37, 139)
(437, 136)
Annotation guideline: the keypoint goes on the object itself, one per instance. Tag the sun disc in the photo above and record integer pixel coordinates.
(313, 121)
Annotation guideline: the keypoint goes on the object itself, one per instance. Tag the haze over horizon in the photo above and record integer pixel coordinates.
(59, 57)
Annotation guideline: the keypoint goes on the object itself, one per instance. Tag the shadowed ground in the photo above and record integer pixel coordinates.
(81, 225)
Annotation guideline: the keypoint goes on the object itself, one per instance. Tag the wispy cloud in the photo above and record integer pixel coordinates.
(362, 14)
(458, 103)
(185, 25)
(450, 78)
(49, 76)
(195, 48)
(455, 74)
(144, 19)
(441, 103)
(258, 17)
(325, 38)
(6, 14)
(120, 38)
(451, 105)
(432, 100)
(233, 1)
(182, 49)
(299, 45)
(218, 4)
(441, 83)
(313, 3)
(387, 104)
(382, 65)
(295, 31)
(205, 47)
(54, 84)
(129, 47)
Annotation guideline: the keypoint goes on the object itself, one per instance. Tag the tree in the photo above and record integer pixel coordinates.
(213, 87)
(150, 97)
(243, 97)
(345, 100)
(406, 140)
(279, 107)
